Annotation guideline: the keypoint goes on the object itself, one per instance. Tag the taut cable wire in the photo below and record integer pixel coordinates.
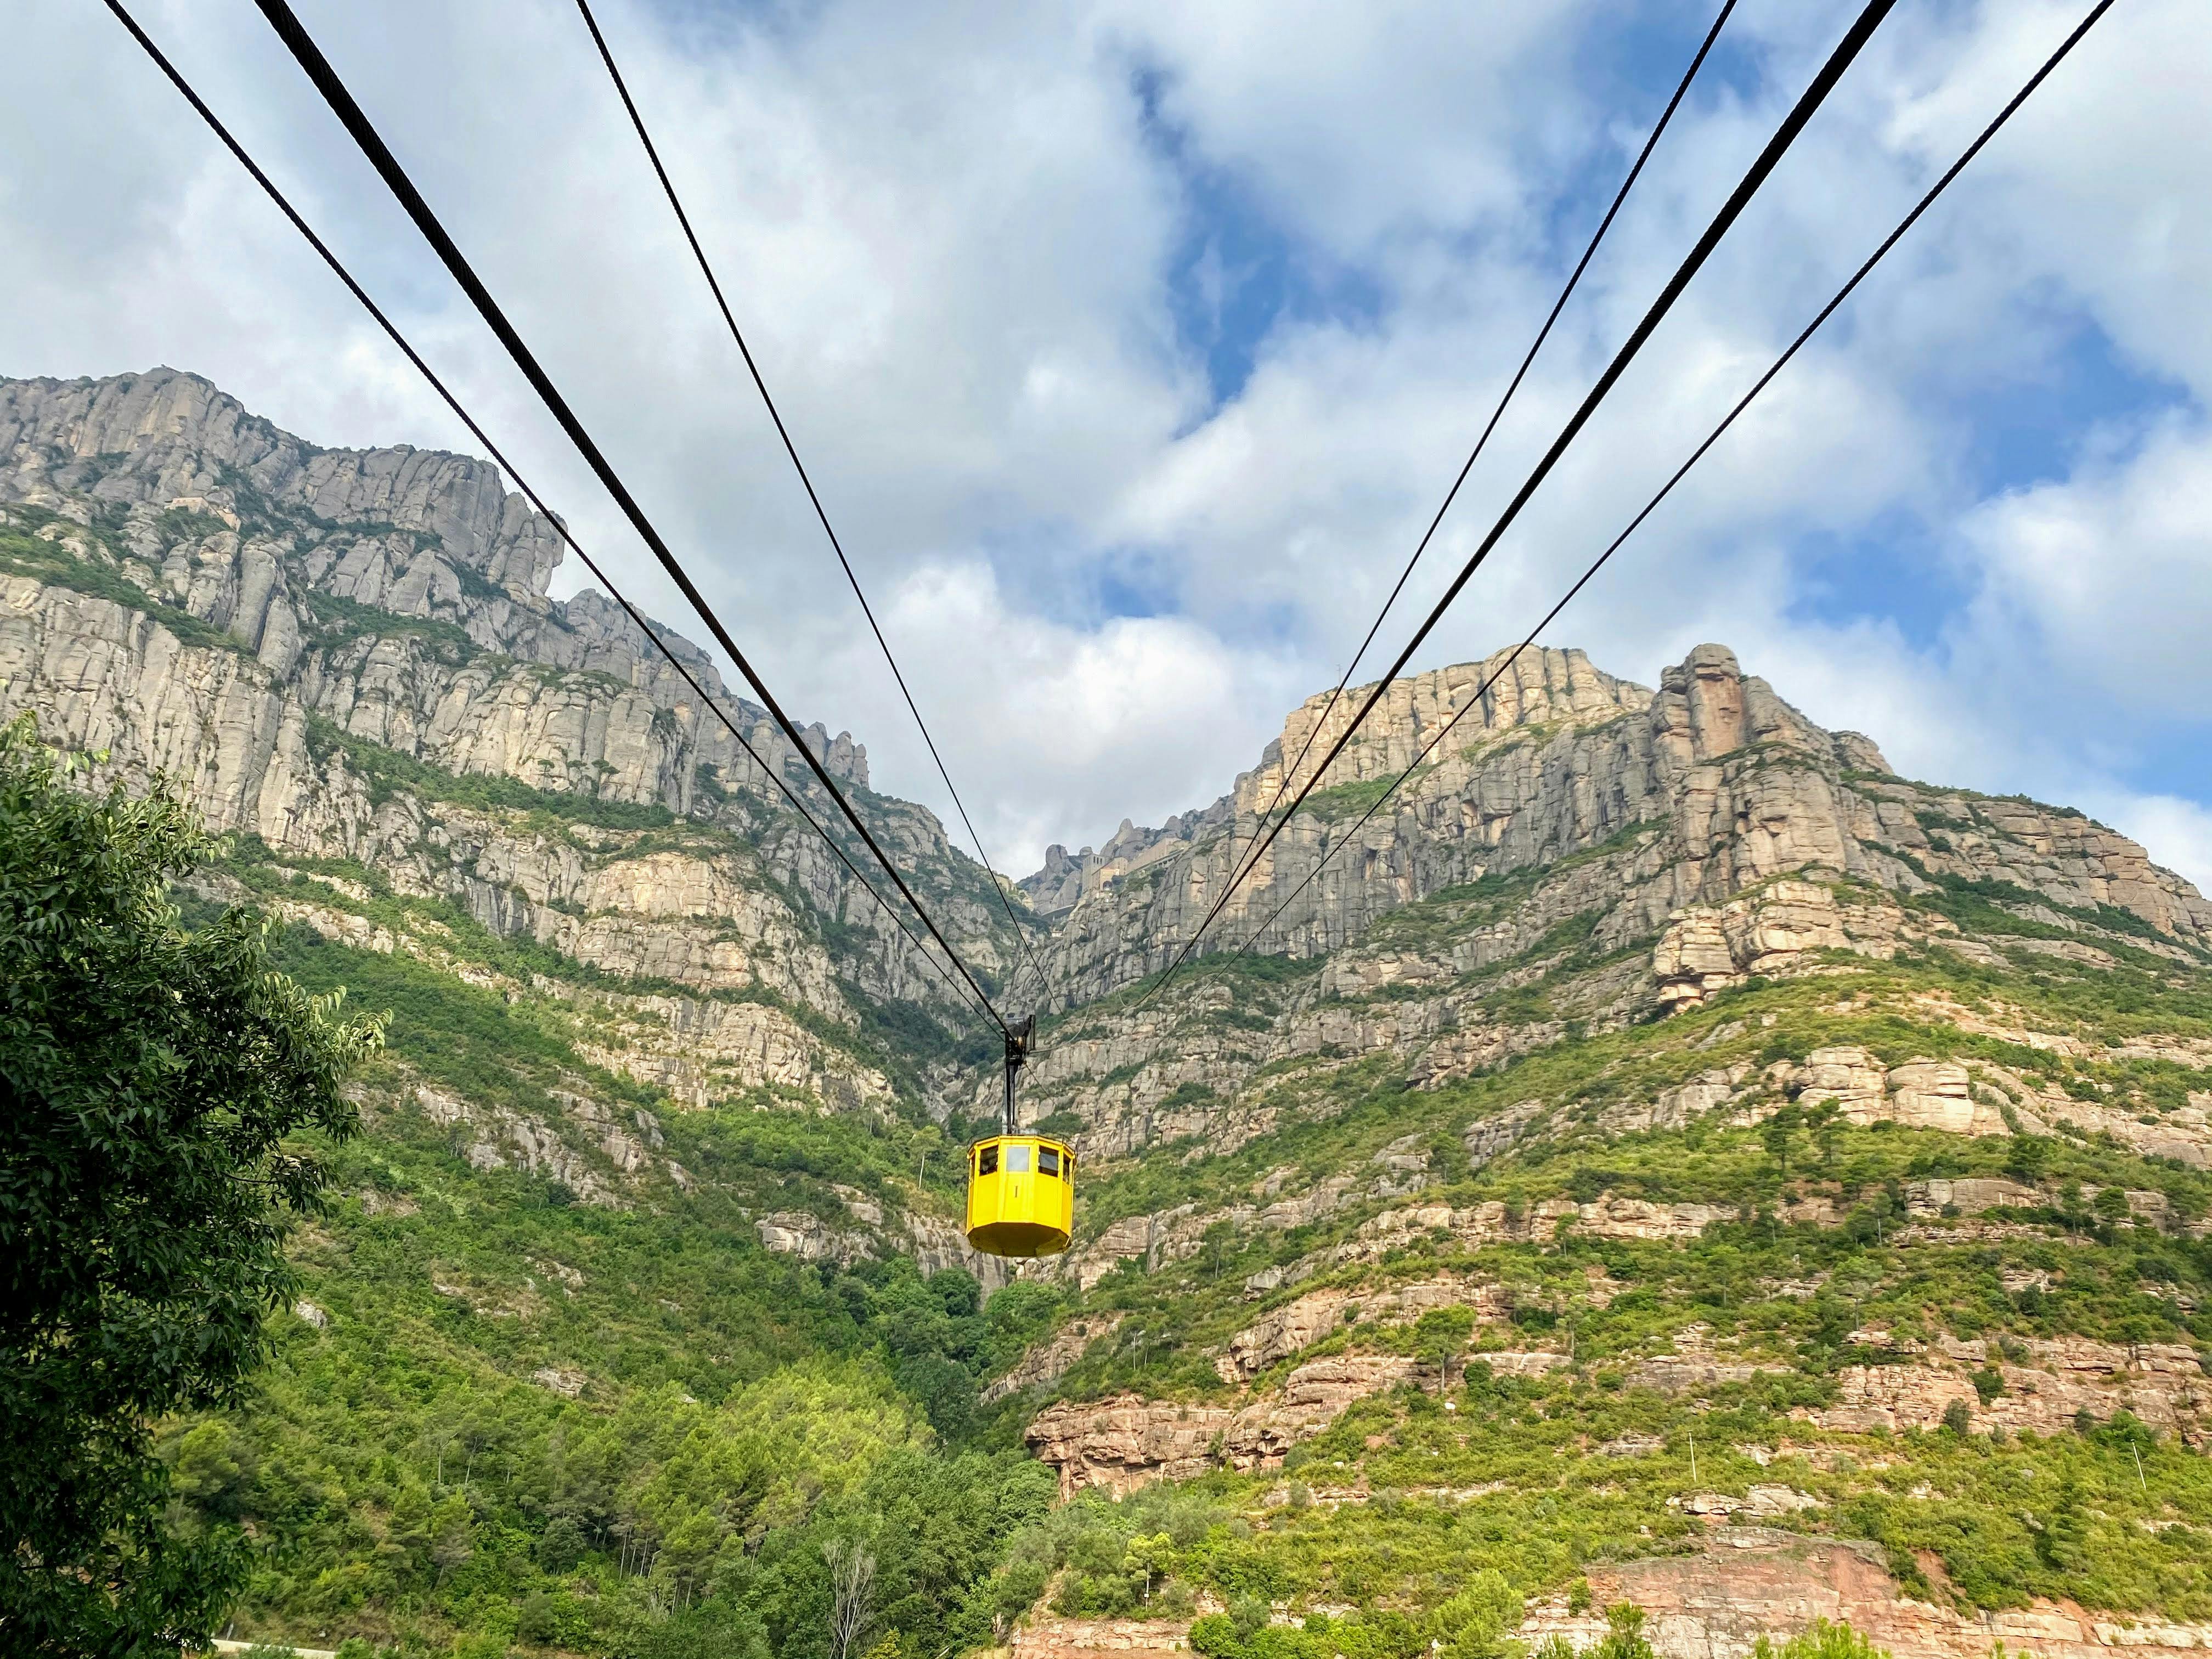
(342, 104)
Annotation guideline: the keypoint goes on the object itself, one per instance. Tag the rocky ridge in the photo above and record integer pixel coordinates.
(350, 659)
(360, 606)
(1731, 786)
(361, 610)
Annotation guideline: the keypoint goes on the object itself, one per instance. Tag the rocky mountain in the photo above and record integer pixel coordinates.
(1719, 783)
(349, 657)
(1663, 1157)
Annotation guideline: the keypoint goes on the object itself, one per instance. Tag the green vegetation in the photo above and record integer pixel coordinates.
(2067, 1511)
(1352, 801)
(388, 772)
(466, 1039)
(157, 1083)
(339, 620)
(553, 1423)
(44, 561)
(1819, 1640)
(1450, 912)
(611, 1380)
(1995, 907)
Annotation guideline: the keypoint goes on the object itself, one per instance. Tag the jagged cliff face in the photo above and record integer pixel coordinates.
(361, 606)
(172, 440)
(1722, 784)
(328, 645)
(348, 658)
(395, 599)
(1706, 835)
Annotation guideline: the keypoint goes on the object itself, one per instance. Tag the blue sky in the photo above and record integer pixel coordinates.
(1132, 345)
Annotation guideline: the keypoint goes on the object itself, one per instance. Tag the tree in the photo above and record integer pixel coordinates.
(2028, 1157)
(1822, 1640)
(1624, 1637)
(1152, 1556)
(1472, 1623)
(150, 1084)
(2062, 1533)
(1777, 1134)
(852, 1594)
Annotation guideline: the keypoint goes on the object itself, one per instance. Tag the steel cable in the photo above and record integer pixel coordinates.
(314, 240)
(335, 93)
(790, 448)
(1698, 454)
(1574, 279)
(1801, 113)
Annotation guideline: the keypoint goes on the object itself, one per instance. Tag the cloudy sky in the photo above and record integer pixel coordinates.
(1132, 344)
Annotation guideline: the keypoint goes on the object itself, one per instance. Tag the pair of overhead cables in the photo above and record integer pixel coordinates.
(1823, 83)
(1574, 279)
(790, 448)
(342, 104)
(965, 986)
(1845, 293)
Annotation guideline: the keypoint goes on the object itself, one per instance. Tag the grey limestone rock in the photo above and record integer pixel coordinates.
(1699, 792)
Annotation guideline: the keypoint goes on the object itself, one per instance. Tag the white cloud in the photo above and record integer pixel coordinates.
(2106, 576)
(2094, 190)
(1355, 123)
(1053, 726)
(949, 233)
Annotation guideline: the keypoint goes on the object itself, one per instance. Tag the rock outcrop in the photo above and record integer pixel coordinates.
(1298, 1324)
(588, 1148)
(334, 647)
(1750, 1582)
(2163, 1384)
(1128, 1441)
(1552, 758)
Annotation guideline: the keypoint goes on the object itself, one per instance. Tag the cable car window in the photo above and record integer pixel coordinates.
(1018, 1160)
(1048, 1161)
(986, 1161)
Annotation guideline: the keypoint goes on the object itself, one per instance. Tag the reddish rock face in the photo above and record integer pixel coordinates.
(1751, 1582)
(1123, 1443)
(1080, 1638)
(1711, 685)
(1047, 1361)
(1298, 1325)
(1128, 1441)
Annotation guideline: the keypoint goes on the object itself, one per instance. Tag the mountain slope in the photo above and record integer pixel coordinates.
(1660, 1070)
(1663, 1155)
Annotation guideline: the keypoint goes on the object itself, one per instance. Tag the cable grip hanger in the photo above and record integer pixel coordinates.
(1021, 1037)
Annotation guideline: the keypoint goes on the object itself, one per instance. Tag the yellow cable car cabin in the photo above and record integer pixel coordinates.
(1021, 1189)
(1021, 1196)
